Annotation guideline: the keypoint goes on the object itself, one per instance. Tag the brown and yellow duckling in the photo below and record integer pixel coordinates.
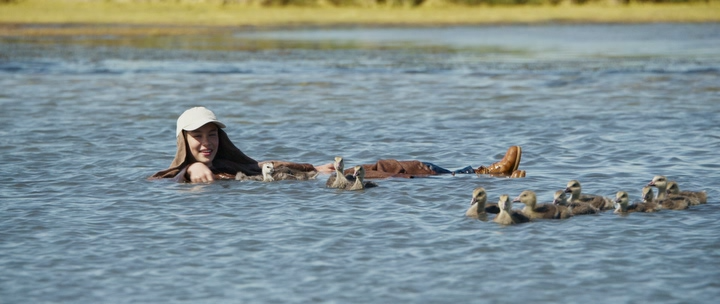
(507, 216)
(599, 202)
(359, 180)
(648, 203)
(577, 207)
(267, 171)
(533, 210)
(662, 199)
(339, 179)
(622, 200)
(478, 205)
(694, 197)
(287, 173)
(647, 194)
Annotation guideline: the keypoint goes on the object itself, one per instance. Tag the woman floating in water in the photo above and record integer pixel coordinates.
(205, 153)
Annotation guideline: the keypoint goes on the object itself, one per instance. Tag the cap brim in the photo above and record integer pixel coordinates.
(197, 125)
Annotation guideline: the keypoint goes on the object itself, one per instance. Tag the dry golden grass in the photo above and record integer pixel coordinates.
(172, 18)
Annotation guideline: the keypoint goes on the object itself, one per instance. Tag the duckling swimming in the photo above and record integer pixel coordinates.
(659, 182)
(287, 173)
(694, 197)
(507, 216)
(541, 211)
(267, 171)
(662, 199)
(623, 204)
(338, 180)
(647, 194)
(648, 204)
(577, 207)
(599, 202)
(360, 183)
(478, 207)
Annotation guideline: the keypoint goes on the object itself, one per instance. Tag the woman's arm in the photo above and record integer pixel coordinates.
(197, 173)
(326, 168)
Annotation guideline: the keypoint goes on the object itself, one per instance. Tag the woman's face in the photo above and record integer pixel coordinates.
(203, 143)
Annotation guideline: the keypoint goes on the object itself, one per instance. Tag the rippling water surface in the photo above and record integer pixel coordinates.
(85, 120)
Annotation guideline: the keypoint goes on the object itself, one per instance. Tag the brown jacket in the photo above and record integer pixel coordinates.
(395, 168)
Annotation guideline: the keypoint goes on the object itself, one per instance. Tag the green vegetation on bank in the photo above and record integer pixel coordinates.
(179, 16)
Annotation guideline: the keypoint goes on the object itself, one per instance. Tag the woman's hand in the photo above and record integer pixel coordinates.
(199, 173)
(327, 168)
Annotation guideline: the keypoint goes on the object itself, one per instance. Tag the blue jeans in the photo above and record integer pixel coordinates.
(441, 170)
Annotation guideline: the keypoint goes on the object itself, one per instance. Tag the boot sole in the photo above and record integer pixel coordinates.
(517, 159)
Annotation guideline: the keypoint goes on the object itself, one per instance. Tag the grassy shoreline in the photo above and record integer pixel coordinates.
(45, 17)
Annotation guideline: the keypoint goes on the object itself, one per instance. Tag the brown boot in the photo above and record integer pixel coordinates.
(506, 166)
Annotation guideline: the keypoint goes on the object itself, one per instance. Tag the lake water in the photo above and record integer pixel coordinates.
(85, 120)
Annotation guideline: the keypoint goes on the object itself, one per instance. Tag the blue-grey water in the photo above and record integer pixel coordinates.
(85, 120)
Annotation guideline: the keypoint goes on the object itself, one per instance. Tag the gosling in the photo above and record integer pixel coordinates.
(540, 211)
(507, 216)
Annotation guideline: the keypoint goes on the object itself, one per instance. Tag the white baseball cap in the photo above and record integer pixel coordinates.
(195, 118)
